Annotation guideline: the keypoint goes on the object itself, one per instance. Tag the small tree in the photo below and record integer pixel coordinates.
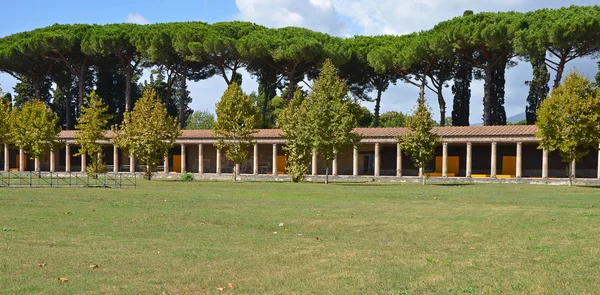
(200, 120)
(297, 135)
(148, 132)
(34, 128)
(568, 120)
(92, 125)
(237, 121)
(326, 118)
(420, 142)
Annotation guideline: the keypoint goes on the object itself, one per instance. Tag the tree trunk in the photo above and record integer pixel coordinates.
(68, 117)
(377, 107)
(442, 103)
(327, 174)
(81, 90)
(487, 107)
(264, 106)
(422, 91)
(559, 72)
(291, 87)
(570, 171)
(128, 77)
(182, 98)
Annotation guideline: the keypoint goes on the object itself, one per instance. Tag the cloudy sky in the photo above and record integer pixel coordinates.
(338, 17)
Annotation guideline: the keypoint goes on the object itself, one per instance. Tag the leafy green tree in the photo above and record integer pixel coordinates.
(120, 41)
(568, 120)
(34, 128)
(362, 77)
(486, 41)
(566, 34)
(538, 89)
(420, 143)
(331, 116)
(91, 127)
(364, 117)
(295, 131)
(393, 119)
(200, 120)
(237, 121)
(148, 132)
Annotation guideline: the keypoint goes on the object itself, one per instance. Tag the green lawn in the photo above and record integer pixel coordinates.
(193, 238)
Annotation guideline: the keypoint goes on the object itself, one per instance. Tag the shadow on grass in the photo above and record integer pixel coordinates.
(451, 184)
(354, 184)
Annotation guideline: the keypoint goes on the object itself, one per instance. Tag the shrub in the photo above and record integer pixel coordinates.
(187, 176)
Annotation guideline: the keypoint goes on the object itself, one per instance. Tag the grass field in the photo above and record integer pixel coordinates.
(283, 238)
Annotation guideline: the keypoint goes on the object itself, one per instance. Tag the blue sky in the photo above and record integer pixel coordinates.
(338, 17)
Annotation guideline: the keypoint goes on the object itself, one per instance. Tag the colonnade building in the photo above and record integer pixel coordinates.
(471, 152)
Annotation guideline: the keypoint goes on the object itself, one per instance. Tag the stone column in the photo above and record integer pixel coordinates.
(574, 169)
(377, 160)
(445, 159)
(469, 169)
(355, 161)
(255, 160)
(83, 162)
(22, 164)
(274, 168)
(545, 164)
(37, 164)
(598, 161)
(183, 159)
(131, 164)
(166, 163)
(52, 161)
(115, 159)
(398, 160)
(218, 161)
(68, 158)
(334, 165)
(493, 164)
(519, 172)
(237, 170)
(315, 166)
(420, 172)
(200, 159)
(7, 159)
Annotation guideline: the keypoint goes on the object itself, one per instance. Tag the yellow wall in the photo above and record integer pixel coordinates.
(177, 163)
(453, 165)
(509, 165)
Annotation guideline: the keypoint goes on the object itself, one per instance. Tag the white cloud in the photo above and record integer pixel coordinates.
(136, 18)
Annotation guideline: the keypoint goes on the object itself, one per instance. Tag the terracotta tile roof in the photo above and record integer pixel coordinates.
(470, 131)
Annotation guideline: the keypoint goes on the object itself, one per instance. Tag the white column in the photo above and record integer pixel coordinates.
(131, 164)
(598, 161)
(237, 170)
(274, 168)
(115, 159)
(315, 166)
(334, 165)
(445, 159)
(469, 159)
(218, 161)
(519, 172)
(545, 164)
(22, 160)
(355, 161)
(68, 158)
(420, 172)
(574, 169)
(37, 164)
(377, 160)
(255, 160)
(52, 161)
(7, 158)
(200, 159)
(493, 164)
(183, 159)
(166, 164)
(398, 160)
(83, 162)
